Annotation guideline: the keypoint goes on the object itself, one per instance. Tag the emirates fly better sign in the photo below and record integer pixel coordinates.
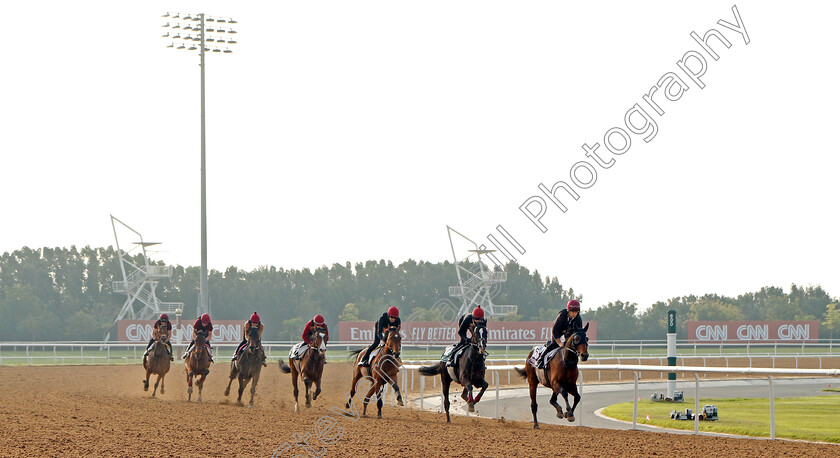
(433, 332)
(753, 331)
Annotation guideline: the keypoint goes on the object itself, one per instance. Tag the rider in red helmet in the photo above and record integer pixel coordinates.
(388, 319)
(566, 320)
(309, 329)
(162, 322)
(467, 322)
(202, 323)
(312, 327)
(253, 322)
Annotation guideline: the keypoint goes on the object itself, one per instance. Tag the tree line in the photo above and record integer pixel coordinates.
(65, 294)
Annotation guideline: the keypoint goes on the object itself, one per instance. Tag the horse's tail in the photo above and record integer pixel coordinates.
(356, 352)
(284, 368)
(431, 370)
(521, 372)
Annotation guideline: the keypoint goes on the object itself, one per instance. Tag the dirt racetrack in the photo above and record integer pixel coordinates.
(103, 411)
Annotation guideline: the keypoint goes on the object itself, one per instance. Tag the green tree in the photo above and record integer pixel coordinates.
(831, 319)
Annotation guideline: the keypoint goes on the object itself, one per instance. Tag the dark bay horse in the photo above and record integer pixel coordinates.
(157, 362)
(247, 366)
(470, 371)
(197, 363)
(383, 369)
(561, 374)
(310, 368)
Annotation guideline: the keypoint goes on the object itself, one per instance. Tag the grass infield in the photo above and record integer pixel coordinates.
(809, 418)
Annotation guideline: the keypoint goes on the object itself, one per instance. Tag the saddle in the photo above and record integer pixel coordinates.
(298, 350)
(449, 354)
(538, 351)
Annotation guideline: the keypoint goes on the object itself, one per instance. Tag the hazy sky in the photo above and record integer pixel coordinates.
(347, 131)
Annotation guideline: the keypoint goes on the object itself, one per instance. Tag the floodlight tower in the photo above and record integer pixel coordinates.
(214, 30)
(477, 283)
(140, 281)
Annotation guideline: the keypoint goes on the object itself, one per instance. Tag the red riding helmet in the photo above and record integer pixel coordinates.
(255, 318)
(573, 306)
(478, 312)
(205, 318)
(164, 317)
(394, 312)
(319, 320)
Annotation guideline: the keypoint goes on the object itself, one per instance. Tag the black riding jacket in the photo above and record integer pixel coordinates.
(465, 321)
(563, 323)
(384, 323)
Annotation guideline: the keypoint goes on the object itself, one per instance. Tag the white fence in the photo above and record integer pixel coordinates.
(495, 369)
(30, 353)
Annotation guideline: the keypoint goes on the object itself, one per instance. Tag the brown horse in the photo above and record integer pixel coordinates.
(561, 374)
(247, 366)
(197, 363)
(470, 371)
(310, 368)
(157, 362)
(384, 368)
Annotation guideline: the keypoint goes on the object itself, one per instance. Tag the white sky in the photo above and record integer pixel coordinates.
(347, 131)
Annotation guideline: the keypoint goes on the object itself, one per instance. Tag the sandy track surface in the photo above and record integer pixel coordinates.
(103, 411)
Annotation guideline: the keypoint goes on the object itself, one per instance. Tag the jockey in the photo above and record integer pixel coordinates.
(253, 322)
(566, 320)
(312, 326)
(163, 321)
(388, 319)
(467, 322)
(202, 323)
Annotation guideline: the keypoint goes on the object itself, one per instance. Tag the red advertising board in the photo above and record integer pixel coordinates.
(224, 331)
(753, 331)
(432, 332)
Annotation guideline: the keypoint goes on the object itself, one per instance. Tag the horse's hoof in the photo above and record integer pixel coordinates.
(161, 391)
(297, 409)
(251, 405)
(471, 408)
(379, 415)
(400, 402)
(199, 399)
(571, 419)
(227, 392)
(536, 426)
(560, 415)
(146, 388)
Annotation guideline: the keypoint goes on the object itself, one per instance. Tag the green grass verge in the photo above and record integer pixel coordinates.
(810, 418)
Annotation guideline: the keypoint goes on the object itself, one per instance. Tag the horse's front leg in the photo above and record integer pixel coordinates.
(570, 411)
(156, 385)
(470, 400)
(162, 380)
(146, 382)
(317, 389)
(379, 402)
(200, 384)
(189, 385)
(374, 389)
(295, 386)
(243, 382)
(553, 401)
(399, 395)
(484, 386)
(256, 379)
(308, 384)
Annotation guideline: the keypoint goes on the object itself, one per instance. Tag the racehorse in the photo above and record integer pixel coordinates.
(157, 362)
(197, 363)
(310, 368)
(470, 371)
(383, 368)
(561, 373)
(247, 366)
